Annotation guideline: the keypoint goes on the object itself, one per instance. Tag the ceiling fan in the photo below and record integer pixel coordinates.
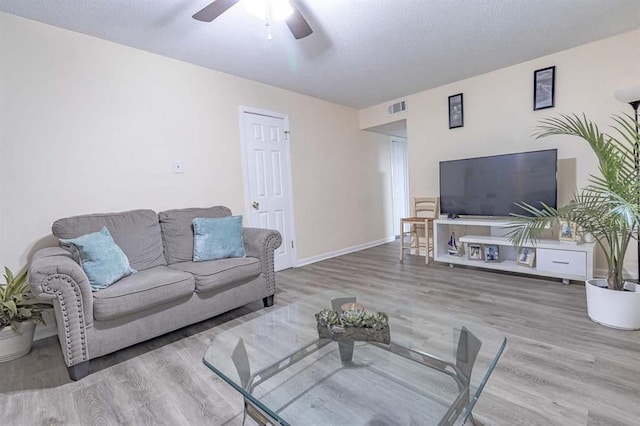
(295, 21)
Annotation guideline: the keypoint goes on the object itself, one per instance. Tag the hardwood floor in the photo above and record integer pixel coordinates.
(559, 368)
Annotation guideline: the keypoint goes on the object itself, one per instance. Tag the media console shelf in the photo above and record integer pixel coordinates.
(553, 258)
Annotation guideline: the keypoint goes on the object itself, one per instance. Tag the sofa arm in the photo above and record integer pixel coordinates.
(53, 274)
(262, 243)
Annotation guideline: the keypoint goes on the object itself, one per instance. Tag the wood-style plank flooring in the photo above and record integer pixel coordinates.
(559, 368)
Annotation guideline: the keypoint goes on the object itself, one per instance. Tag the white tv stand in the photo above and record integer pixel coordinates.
(557, 259)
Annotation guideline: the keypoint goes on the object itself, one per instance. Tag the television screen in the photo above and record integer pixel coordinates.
(489, 186)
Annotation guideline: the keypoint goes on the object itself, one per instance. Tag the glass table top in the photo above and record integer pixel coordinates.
(432, 371)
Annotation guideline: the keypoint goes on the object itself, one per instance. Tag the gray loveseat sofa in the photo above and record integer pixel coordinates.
(168, 291)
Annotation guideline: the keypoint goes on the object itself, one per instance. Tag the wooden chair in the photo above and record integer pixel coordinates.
(425, 210)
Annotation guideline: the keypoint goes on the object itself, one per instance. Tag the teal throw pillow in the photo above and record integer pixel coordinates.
(101, 258)
(217, 238)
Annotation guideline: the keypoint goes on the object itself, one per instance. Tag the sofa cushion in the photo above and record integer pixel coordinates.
(217, 238)
(101, 258)
(141, 291)
(216, 274)
(136, 232)
(177, 230)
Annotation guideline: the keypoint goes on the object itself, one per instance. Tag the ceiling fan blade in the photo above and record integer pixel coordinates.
(213, 10)
(298, 25)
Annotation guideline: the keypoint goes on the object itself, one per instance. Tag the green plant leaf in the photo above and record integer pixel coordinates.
(11, 306)
(25, 312)
(17, 303)
(8, 275)
(609, 206)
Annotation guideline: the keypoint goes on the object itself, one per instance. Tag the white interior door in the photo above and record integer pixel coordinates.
(268, 178)
(399, 181)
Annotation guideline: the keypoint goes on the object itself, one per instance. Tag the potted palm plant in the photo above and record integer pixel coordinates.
(607, 209)
(19, 313)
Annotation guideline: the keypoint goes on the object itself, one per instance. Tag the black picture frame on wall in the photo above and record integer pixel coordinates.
(544, 88)
(456, 111)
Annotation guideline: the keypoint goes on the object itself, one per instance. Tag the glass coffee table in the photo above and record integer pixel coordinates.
(431, 372)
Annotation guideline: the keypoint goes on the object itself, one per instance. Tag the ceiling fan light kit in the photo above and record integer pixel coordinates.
(264, 9)
(270, 10)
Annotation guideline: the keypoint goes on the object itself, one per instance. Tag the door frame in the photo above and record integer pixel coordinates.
(242, 110)
(407, 204)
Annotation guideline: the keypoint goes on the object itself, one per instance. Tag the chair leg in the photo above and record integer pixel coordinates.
(426, 242)
(412, 239)
(403, 234)
(401, 240)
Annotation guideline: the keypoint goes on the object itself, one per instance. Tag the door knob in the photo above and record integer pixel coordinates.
(255, 205)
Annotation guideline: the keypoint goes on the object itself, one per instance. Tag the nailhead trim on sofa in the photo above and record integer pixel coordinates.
(73, 317)
(273, 242)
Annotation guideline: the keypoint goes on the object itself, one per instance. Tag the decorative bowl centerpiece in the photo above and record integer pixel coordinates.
(354, 324)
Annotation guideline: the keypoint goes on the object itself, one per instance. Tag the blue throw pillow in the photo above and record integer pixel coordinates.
(101, 258)
(217, 238)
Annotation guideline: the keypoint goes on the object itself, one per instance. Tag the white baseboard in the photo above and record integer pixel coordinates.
(329, 255)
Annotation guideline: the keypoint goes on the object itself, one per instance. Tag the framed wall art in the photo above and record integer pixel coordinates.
(456, 114)
(544, 82)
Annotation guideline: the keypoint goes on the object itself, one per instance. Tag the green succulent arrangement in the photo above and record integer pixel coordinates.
(17, 303)
(353, 318)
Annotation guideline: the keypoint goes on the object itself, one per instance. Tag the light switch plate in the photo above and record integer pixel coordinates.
(177, 167)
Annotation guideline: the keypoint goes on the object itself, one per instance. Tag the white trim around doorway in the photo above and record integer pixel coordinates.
(242, 109)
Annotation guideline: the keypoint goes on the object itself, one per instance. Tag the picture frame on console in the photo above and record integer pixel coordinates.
(491, 253)
(474, 251)
(526, 256)
(456, 112)
(544, 82)
(568, 231)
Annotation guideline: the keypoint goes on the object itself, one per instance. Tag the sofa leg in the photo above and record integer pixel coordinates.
(78, 371)
(267, 301)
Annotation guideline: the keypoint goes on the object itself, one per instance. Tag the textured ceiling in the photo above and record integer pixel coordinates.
(362, 52)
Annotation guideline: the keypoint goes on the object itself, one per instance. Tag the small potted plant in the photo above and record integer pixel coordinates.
(19, 313)
(608, 209)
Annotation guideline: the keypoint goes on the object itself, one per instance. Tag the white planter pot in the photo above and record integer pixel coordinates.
(616, 309)
(14, 345)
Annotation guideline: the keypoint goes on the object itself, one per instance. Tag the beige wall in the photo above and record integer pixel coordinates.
(498, 115)
(378, 114)
(88, 126)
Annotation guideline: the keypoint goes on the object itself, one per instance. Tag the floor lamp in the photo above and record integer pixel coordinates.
(631, 96)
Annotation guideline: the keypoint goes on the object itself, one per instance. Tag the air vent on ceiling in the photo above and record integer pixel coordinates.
(397, 107)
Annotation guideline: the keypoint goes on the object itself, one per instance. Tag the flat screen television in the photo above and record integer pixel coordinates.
(489, 186)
